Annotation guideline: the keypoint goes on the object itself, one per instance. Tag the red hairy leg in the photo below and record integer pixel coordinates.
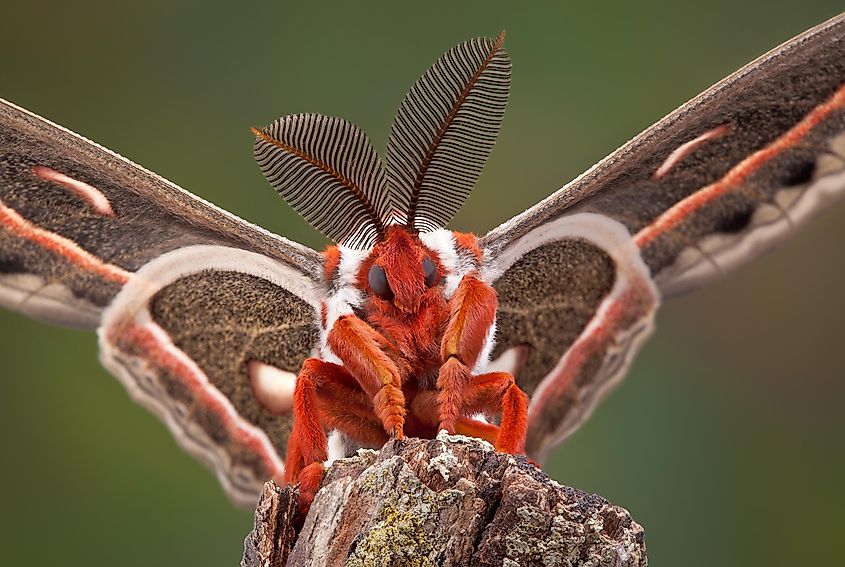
(497, 392)
(344, 406)
(475, 428)
(308, 441)
(326, 397)
(361, 348)
(307, 448)
(491, 393)
(472, 311)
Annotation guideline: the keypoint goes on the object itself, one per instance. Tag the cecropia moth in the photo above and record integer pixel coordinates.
(266, 358)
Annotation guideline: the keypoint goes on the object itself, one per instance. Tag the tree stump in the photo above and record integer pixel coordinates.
(452, 500)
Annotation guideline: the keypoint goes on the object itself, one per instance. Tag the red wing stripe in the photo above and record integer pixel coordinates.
(601, 331)
(68, 249)
(90, 194)
(684, 208)
(157, 347)
(687, 148)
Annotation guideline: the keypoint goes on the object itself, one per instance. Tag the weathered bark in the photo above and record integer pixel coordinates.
(445, 501)
(272, 536)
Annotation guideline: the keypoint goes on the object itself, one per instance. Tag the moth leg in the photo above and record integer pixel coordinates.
(344, 406)
(308, 443)
(497, 392)
(475, 428)
(472, 311)
(362, 350)
(424, 408)
(326, 397)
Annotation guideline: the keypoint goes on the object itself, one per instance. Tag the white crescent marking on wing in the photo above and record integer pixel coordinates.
(130, 303)
(442, 241)
(273, 387)
(687, 148)
(90, 194)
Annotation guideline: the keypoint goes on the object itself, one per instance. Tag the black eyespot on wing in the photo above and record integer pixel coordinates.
(430, 271)
(378, 282)
(737, 222)
(800, 174)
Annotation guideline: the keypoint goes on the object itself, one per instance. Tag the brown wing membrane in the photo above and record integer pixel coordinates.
(211, 339)
(546, 299)
(729, 173)
(575, 302)
(77, 220)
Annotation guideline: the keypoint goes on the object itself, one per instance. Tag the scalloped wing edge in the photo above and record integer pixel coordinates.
(127, 326)
(621, 324)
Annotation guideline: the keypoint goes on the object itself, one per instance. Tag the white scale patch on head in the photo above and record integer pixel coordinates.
(350, 263)
(770, 223)
(442, 242)
(273, 387)
(345, 298)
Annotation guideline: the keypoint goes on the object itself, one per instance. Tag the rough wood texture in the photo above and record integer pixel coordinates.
(445, 501)
(272, 536)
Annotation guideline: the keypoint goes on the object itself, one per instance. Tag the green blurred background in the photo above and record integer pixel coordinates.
(725, 441)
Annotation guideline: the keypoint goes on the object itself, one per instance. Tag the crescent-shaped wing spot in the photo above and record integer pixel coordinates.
(273, 387)
(95, 198)
(682, 210)
(512, 360)
(687, 148)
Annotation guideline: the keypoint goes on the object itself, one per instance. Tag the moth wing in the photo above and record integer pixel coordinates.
(210, 339)
(710, 186)
(575, 303)
(76, 221)
(203, 317)
(728, 174)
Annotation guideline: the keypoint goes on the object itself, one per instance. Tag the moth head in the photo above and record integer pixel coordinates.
(401, 274)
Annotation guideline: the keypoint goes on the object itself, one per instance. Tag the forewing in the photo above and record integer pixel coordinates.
(204, 318)
(211, 338)
(575, 303)
(728, 174)
(76, 221)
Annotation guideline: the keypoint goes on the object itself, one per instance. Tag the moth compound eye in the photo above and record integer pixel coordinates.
(378, 282)
(430, 271)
